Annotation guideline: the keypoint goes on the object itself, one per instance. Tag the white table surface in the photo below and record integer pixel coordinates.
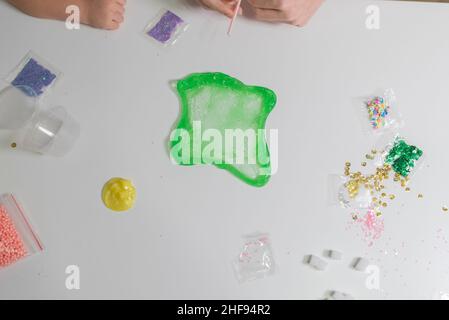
(187, 226)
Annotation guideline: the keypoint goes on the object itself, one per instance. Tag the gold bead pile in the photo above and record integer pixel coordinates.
(374, 182)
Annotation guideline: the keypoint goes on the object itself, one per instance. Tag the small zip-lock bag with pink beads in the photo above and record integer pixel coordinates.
(18, 240)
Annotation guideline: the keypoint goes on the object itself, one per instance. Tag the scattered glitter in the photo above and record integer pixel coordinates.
(166, 27)
(372, 226)
(33, 78)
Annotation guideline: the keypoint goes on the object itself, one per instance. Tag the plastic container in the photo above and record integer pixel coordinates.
(16, 108)
(18, 240)
(404, 158)
(52, 132)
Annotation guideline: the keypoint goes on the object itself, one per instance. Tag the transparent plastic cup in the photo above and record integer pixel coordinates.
(51, 132)
(16, 107)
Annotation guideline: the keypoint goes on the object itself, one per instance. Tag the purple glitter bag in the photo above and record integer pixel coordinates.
(166, 28)
(34, 76)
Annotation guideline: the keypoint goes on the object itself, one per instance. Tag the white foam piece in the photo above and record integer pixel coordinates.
(317, 263)
(361, 264)
(334, 254)
(337, 295)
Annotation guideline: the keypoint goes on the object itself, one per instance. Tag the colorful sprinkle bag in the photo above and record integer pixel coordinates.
(379, 112)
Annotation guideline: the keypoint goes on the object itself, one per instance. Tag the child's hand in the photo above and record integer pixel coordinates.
(105, 14)
(296, 12)
(227, 7)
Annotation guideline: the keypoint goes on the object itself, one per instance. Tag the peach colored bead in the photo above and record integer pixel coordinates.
(12, 247)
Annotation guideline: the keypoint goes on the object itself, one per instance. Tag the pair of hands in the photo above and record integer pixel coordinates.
(295, 12)
(109, 14)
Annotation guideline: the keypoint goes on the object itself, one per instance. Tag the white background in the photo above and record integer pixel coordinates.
(187, 225)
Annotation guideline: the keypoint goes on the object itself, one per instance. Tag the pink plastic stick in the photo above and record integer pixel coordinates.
(237, 8)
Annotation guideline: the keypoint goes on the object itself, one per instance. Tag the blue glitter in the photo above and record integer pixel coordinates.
(33, 78)
(166, 27)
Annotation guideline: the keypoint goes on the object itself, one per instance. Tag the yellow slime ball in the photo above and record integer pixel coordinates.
(119, 194)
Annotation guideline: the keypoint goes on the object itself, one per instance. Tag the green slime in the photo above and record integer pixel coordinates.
(219, 102)
(402, 157)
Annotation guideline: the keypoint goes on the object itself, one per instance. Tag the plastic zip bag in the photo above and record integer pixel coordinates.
(404, 158)
(34, 76)
(166, 28)
(343, 193)
(256, 259)
(18, 240)
(379, 112)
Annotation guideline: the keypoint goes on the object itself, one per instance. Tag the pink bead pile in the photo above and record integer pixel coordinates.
(372, 227)
(12, 247)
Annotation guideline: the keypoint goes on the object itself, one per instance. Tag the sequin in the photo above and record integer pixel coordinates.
(372, 182)
(402, 157)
